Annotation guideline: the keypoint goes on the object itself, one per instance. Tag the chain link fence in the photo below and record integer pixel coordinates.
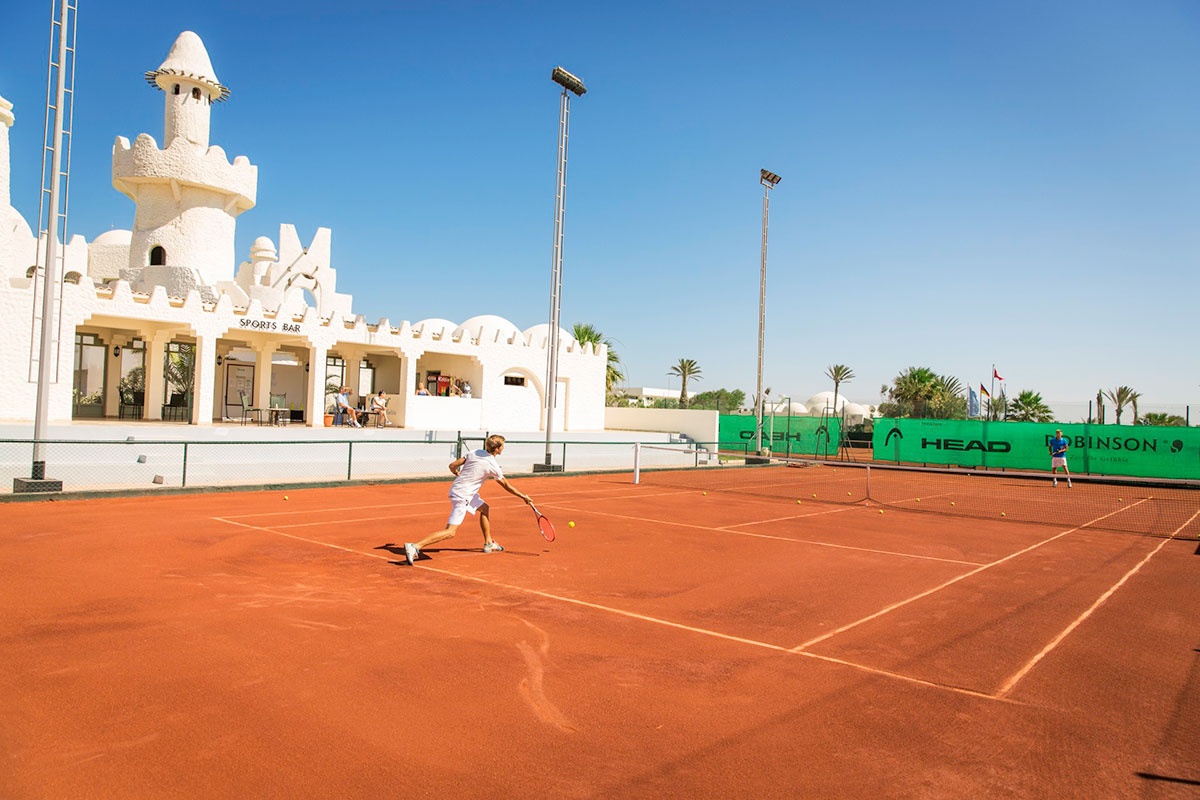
(134, 464)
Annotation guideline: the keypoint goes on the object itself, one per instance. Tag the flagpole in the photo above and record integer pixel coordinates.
(992, 393)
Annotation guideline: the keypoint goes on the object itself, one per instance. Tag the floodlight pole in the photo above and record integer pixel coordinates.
(62, 71)
(768, 180)
(570, 84)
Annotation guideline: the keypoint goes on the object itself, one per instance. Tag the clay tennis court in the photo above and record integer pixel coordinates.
(674, 643)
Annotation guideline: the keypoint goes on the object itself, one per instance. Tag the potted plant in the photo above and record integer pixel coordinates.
(331, 389)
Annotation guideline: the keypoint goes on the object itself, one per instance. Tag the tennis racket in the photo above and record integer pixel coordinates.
(544, 526)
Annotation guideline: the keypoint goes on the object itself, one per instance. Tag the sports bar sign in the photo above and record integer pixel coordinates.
(1136, 450)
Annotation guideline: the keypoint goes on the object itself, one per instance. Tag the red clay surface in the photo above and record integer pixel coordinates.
(672, 644)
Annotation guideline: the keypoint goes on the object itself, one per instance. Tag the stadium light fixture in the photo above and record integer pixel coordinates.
(571, 85)
(568, 81)
(769, 180)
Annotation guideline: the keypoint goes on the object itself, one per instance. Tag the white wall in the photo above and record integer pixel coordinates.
(703, 426)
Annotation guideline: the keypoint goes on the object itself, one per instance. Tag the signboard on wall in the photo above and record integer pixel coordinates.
(239, 378)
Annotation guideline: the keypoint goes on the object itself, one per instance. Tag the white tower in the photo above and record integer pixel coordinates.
(6, 122)
(187, 194)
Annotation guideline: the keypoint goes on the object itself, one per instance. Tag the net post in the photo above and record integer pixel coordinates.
(637, 462)
(183, 482)
(868, 481)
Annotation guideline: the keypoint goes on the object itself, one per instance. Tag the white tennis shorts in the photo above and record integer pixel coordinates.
(1058, 461)
(460, 508)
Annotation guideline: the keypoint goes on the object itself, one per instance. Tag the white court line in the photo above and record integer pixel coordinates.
(1023, 671)
(951, 582)
(636, 616)
(774, 537)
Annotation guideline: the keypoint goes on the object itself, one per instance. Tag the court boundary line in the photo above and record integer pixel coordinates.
(729, 529)
(643, 617)
(1020, 674)
(952, 581)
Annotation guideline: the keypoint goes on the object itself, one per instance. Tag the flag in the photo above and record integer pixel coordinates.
(996, 375)
(972, 403)
(983, 391)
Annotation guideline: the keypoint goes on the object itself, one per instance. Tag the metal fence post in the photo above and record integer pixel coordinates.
(183, 482)
(349, 459)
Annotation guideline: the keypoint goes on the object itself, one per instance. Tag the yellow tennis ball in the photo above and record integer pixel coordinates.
(951, 502)
(798, 502)
(1003, 514)
(285, 497)
(881, 511)
(571, 524)
(704, 493)
(918, 499)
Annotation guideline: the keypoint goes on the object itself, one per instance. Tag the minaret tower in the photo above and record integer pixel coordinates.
(187, 194)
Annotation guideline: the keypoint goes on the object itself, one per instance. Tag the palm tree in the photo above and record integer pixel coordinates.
(839, 374)
(1028, 406)
(920, 392)
(911, 391)
(686, 369)
(586, 333)
(1121, 397)
(179, 369)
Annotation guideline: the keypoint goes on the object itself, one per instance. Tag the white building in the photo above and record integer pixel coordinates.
(141, 307)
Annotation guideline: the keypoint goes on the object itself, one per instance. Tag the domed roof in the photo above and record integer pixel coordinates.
(489, 328)
(822, 400)
(263, 249)
(188, 59)
(115, 236)
(539, 335)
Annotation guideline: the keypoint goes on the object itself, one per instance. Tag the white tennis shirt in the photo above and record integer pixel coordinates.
(480, 465)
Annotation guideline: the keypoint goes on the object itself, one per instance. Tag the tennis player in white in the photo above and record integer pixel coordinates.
(470, 472)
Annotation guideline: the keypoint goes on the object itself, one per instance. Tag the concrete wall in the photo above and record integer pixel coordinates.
(703, 426)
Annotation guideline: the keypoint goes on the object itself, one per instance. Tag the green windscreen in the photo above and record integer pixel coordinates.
(1137, 450)
(801, 436)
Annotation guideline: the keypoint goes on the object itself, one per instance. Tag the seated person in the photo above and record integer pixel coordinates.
(422, 390)
(379, 406)
(344, 409)
(455, 391)
(466, 389)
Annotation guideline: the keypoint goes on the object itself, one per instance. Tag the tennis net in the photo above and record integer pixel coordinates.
(1152, 507)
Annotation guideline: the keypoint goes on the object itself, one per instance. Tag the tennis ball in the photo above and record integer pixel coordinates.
(918, 499)
(1003, 514)
(704, 493)
(571, 524)
(881, 511)
(285, 497)
(951, 502)
(798, 502)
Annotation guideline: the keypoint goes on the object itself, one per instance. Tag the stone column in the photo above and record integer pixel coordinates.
(156, 348)
(204, 381)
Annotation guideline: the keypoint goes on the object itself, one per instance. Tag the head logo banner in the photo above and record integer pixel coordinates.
(1139, 451)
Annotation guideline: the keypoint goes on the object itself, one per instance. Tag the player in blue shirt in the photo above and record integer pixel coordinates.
(1058, 457)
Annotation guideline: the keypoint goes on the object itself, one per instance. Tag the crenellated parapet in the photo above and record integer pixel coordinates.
(184, 164)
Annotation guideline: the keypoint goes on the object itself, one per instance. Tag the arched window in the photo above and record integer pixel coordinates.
(158, 256)
(195, 92)
(175, 89)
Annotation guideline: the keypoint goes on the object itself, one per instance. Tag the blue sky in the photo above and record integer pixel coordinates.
(964, 184)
